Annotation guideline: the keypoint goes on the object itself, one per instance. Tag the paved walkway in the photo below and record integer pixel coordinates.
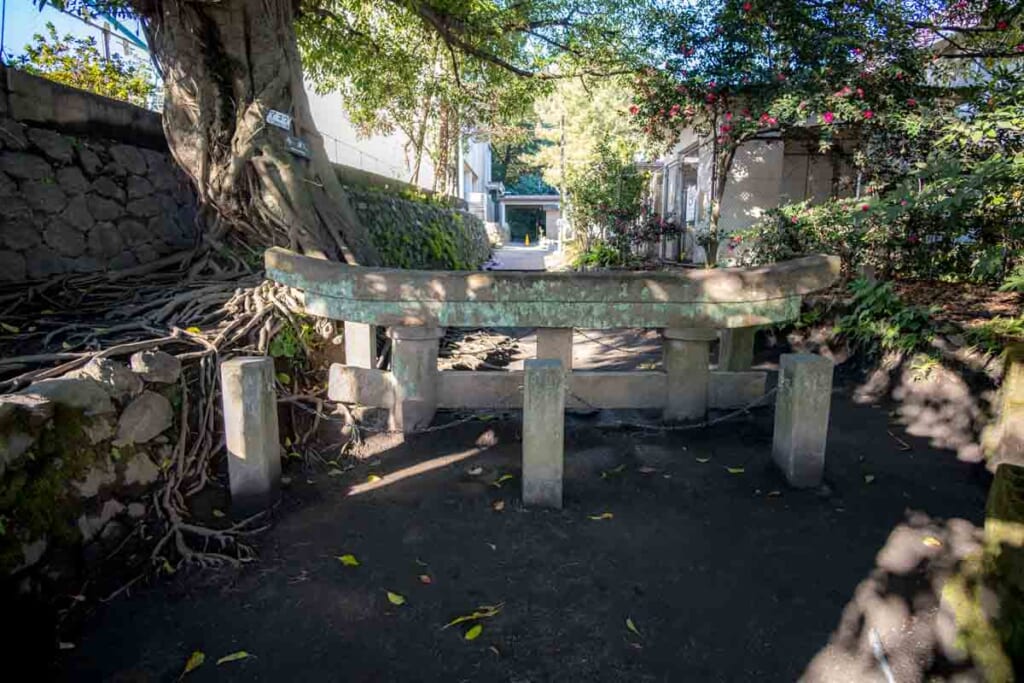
(521, 257)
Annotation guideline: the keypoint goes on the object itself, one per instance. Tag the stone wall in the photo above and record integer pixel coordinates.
(78, 457)
(72, 202)
(414, 234)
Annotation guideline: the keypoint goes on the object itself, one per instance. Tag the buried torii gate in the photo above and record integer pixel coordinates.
(690, 307)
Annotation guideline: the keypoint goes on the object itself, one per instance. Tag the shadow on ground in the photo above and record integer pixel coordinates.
(727, 575)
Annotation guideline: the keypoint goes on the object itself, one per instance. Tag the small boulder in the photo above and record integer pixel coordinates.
(84, 393)
(99, 476)
(156, 366)
(140, 471)
(35, 410)
(118, 381)
(136, 510)
(144, 418)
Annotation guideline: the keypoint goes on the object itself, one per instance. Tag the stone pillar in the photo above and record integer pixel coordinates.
(1003, 439)
(801, 417)
(555, 343)
(543, 432)
(686, 358)
(250, 429)
(736, 349)
(360, 345)
(414, 374)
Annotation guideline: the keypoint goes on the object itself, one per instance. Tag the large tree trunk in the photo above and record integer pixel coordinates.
(225, 65)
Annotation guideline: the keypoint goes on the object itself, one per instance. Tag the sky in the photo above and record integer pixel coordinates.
(22, 19)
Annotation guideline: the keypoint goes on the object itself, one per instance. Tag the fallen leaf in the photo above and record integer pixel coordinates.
(349, 560)
(481, 612)
(612, 472)
(217, 513)
(646, 470)
(475, 471)
(66, 646)
(473, 632)
(498, 505)
(868, 478)
(283, 378)
(496, 651)
(632, 627)
(492, 546)
(335, 472)
(372, 478)
(932, 542)
(233, 657)
(10, 328)
(195, 660)
(603, 515)
(193, 330)
(735, 470)
(425, 579)
(774, 494)
(702, 460)
(502, 479)
(395, 598)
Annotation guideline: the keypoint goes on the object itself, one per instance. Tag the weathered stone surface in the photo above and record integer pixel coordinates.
(163, 179)
(43, 262)
(103, 209)
(144, 207)
(20, 234)
(156, 366)
(91, 525)
(72, 181)
(143, 419)
(99, 428)
(105, 187)
(77, 213)
(170, 231)
(129, 157)
(13, 134)
(155, 160)
(44, 195)
(105, 240)
(115, 378)
(251, 433)
(125, 259)
(88, 160)
(25, 166)
(140, 471)
(12, 267)
(33, 411)
(54, 145)
(138, 187)
(8, 188)
(146, 253)
(134, 232)
(64, 239)
(801, 418)
(15, 209)
(136, 510)
(13, 444)
(100, 475)
(85, 394)
(543, 432)
(31, 554)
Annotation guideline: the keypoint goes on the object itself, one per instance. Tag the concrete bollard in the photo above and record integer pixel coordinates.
(414, 373)
(801, 418)
(555, 343)
(736, 349)
(543, 432)
(360, 345)
(1003, 439)
(686, 357)
(250, 429)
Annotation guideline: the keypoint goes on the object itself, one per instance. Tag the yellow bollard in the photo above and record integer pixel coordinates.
(527, 239)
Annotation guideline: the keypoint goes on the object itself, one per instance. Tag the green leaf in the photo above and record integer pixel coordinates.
(703, 460)
(233, 657)
(735, 470)
(348, 560)
(395, 598)
(473, 632)
(10, 328)
(284, 378)
(603, 515)
(195, 660)
(631, 626)
(217, 513)
(502, 479)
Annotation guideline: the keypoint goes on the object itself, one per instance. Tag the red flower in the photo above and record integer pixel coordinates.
(634, 110)
(860, 93)
(868, 114)
(828, 117)
(1019, 48)
(844, 92)
(747, 7)
(795, 220)
(903, 202)
(674, 111)
(726, 128)
(728, 116)
(1001, 25)
(711, 85)
(911, 102)
(709, 98)
(857, 51)
(864, 207)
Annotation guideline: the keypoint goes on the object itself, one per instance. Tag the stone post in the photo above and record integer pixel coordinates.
(1003, 440)
(555, 343)
(360, 345)
(250, 429)
(414, 374)
(736, 349)
(801, 417)
(543, 432)
(686, 357)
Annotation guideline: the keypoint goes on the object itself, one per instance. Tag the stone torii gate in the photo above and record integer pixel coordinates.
(692, 308)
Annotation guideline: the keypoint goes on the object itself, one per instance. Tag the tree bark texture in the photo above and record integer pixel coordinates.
(226, 64)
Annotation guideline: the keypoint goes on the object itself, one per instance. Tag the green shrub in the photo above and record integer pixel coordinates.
(880, 320)
(600, 255)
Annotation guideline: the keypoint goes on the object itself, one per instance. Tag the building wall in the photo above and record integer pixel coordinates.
(551, 217)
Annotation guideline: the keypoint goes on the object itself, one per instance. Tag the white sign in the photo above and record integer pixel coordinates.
(279, 119)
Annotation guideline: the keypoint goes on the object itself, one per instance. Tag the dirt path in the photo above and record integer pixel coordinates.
(727, 576)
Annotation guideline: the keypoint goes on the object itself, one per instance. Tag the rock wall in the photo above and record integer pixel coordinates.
(71, 202)
(414, 234)
(78, 456)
